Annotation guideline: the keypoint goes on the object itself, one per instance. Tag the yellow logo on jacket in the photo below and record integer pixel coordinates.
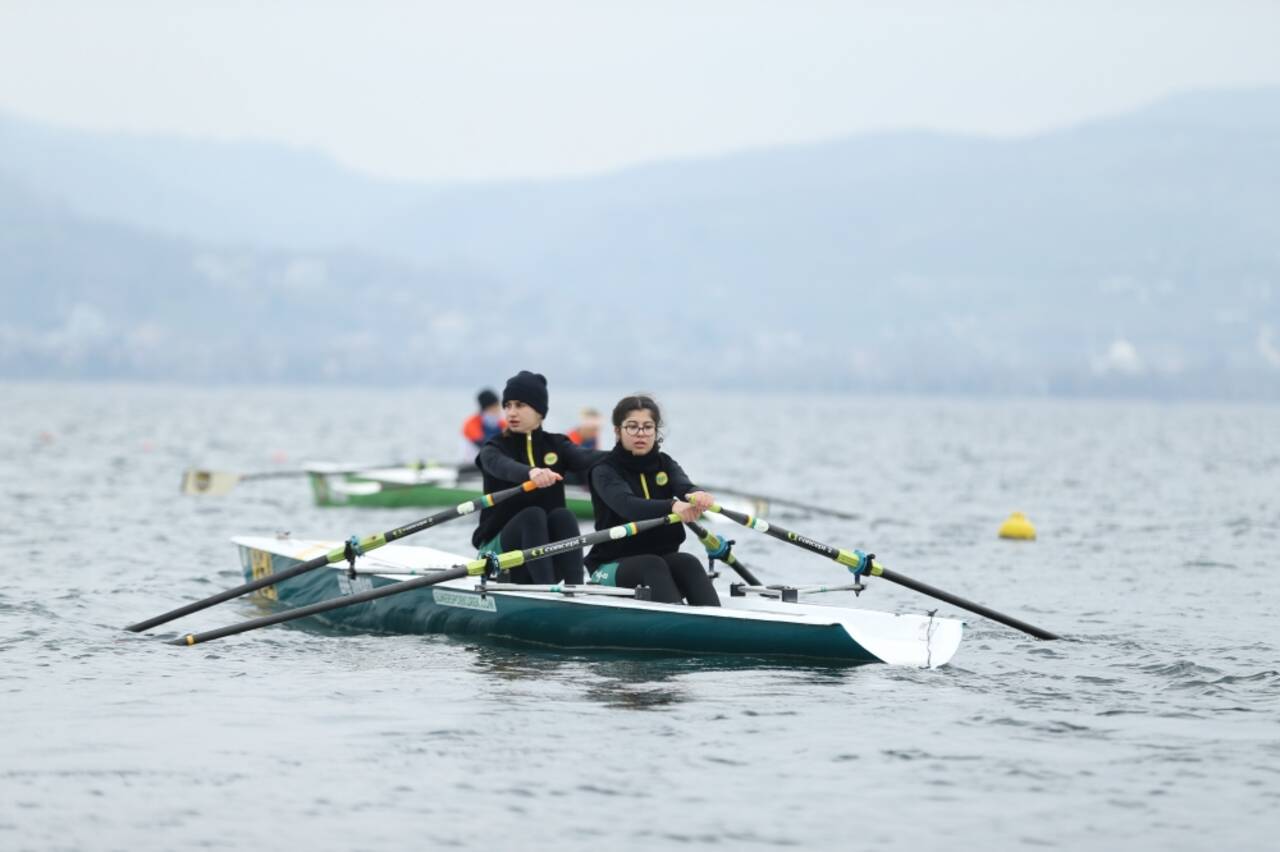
(662, 478)
(550, 458)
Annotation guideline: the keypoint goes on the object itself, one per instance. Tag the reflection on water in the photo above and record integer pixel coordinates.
(642, 681)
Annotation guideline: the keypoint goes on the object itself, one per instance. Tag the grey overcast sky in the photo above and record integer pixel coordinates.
(464, 90)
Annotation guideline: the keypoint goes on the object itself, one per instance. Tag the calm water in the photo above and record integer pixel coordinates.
(1155, 725)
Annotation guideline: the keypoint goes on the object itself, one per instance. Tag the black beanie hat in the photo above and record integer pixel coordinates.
(529, 388)
(486, 398)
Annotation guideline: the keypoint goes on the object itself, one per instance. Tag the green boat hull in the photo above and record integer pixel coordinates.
(555, 622)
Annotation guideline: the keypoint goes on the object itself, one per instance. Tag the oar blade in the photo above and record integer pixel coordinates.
(208, 483)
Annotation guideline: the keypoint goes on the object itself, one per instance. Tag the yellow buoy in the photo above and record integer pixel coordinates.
(1017, 526)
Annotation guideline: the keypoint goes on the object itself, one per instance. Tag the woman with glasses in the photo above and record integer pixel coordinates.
(635, 481)
(524, 451)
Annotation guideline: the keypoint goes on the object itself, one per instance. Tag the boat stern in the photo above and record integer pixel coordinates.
(921, 641)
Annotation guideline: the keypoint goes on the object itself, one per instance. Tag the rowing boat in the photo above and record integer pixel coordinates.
(400, 487)
(753, 621)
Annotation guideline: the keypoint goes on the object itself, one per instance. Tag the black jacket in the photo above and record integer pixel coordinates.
(619, 483)
(506, 459)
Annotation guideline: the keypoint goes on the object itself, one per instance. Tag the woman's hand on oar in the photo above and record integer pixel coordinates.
(697, 503)
(348, 550)
(474, 568)
(544, 477)
(862, 564)
(702, 500)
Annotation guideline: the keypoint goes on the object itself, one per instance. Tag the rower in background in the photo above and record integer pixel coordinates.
(483, 425)
(587, 434)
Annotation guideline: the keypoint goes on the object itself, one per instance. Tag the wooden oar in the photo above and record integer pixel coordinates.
(474, 568)
(780, 501)
(719, 548)
(857, 562)
(215, 483)
(337, 555)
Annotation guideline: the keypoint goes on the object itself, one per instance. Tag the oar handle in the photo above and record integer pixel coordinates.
(337, 555)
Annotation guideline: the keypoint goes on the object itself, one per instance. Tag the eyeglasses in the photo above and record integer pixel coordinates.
(633, 428)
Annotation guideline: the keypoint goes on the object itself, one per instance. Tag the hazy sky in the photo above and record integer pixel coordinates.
(499, 89)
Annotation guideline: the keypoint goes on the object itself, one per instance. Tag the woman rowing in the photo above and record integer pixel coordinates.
(637, 481)
(523, 451)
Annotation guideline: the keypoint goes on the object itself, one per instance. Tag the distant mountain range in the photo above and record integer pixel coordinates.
(1135, 255)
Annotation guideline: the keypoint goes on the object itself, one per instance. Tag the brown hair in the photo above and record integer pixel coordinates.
(638, 402)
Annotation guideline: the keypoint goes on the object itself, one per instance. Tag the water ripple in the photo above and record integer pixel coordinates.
(1153, 562)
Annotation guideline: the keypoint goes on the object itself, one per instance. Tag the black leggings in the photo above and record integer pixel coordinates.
(671, 577)
(533, 526)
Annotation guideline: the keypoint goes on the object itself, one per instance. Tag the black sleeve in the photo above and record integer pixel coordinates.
(610, 487)
(680, 484)
(493, 461)
(577, 459)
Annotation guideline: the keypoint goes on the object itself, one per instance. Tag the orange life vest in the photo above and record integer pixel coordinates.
(473, 429)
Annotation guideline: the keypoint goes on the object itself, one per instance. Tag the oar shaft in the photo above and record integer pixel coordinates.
(228, 594)
(781, 501)
(218, 482)
(270, 474)
(710, 540)
(852, 560)
(962, 603)
(483, 502)
(508, 560)
(845, 557)
(281, 474)
(459, 472)
(322, 606)
(337, 555)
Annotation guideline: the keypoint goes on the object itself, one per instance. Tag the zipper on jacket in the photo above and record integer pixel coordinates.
(528, 445)
(644, 483)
